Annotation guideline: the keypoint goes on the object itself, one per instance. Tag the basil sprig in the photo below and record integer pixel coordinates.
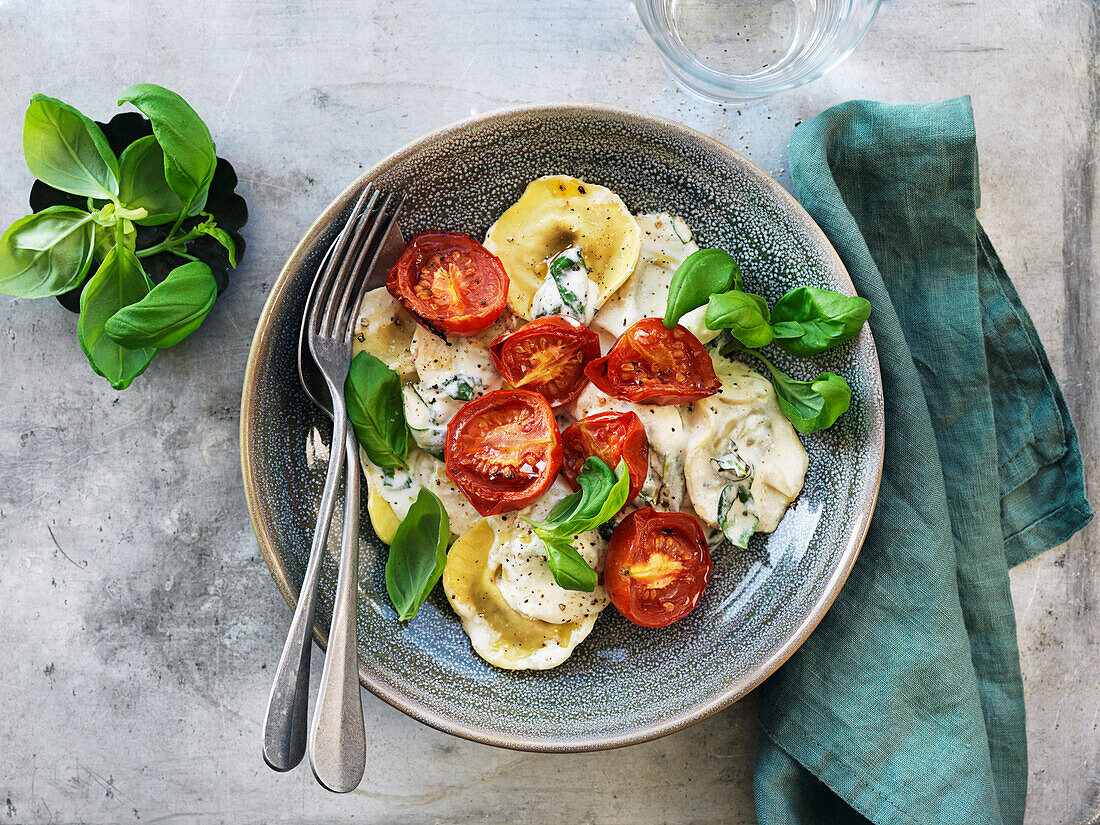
(804, 322)
(163, 178)
(603, 493)
(745, 315)
(372, 392)
(808, 320)
(809, 405)
(418, 554)
(702, 274)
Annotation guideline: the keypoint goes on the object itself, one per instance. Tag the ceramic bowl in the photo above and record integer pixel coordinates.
(625, 684)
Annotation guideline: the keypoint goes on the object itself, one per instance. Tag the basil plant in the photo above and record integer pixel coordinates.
(160, 179)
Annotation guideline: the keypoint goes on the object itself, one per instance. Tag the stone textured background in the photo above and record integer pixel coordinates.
(139, 623)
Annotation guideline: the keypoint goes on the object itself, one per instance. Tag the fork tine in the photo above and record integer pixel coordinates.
(345, 269)
(326, 276)
(354, 268)
(383, 225)
(364, 261)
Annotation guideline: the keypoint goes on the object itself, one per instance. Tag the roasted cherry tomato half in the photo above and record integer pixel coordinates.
(653, 365)
(547, 356)
(657, 566)
(503, 450)
(450, 282)
(611, 437)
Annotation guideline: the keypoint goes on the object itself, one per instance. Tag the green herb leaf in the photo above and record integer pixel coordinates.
(189, 158)
(702, 274)
(565, 263)
(745, 315)
(737, 518)
(603, 494)
(47, 253)
(459, 387)
(221, 236)
(170, 312)
(372, 393)
(67, 150)
(567, 566)
(813, 405)
(117, 283)
(142, 185)
(809, 405)
(810, 320)
(568, 260)
(418, 554)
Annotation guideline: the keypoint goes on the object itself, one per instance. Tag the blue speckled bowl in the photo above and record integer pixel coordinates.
(625, 684)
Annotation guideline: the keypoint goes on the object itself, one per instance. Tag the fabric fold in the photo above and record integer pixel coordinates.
(906, 704)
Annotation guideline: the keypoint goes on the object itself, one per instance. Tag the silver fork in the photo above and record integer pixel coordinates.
(336, 739)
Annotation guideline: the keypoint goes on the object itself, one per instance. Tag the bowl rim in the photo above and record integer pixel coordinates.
(424, 712)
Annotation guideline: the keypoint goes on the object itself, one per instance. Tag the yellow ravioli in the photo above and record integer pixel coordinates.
(557, 212)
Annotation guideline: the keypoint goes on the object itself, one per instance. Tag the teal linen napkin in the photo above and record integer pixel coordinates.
(906, 703)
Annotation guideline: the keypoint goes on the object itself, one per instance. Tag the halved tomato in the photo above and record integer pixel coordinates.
(657, 566)
(452, 284)
(611, 437)
(547, 356)
(653, 365)
(503, 450)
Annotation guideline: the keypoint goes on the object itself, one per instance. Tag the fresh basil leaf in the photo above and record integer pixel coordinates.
(118, 282)
(702, 274)
(567, 566)
(560, 511)
(809, 405)
(600, 506)
(596, 481)
(189, 158)
(142, 185)
(170, 312)
(418, 554)
(212, 230)
(813, 405)
(745, 315)
(47, 253)
(372, 393)
(603, 493)
(810, 320)
(67, 150)
(787, 329)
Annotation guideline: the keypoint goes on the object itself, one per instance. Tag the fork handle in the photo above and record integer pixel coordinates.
(284, 737)
(337, 741)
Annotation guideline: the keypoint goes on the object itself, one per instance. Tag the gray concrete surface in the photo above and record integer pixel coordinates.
(138, 622)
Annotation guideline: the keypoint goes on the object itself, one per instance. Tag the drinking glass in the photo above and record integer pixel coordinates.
(735, 50)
